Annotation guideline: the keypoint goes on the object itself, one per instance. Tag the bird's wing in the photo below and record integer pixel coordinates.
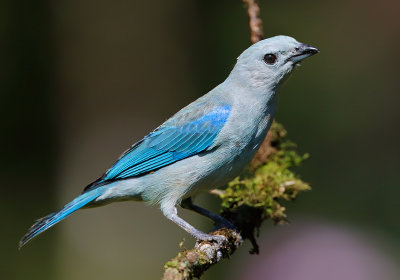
(168, 144)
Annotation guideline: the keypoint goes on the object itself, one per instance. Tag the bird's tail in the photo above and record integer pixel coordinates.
(50, 220)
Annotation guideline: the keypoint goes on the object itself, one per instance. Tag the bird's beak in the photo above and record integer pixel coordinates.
(303, 51)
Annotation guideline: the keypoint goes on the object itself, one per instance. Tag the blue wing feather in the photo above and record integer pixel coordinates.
(168, 144)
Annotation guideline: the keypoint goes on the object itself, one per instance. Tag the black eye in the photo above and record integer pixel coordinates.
(270, 58)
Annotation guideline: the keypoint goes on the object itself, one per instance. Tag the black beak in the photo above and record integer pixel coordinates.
(303, 51)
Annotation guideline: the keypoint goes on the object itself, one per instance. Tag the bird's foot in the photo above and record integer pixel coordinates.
(219, 239)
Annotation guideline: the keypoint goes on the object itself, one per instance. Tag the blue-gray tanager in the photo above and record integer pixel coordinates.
(203, 146)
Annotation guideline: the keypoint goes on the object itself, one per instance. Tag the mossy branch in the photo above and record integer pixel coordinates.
(256, 195)
(193, 263)
(247, 201)
(251, 198)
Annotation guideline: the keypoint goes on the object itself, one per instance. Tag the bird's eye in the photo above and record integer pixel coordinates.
(270, 58)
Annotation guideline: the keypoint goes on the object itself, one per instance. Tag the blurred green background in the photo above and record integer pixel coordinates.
(80, 81)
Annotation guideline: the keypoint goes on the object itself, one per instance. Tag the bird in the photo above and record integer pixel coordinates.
(203, 146)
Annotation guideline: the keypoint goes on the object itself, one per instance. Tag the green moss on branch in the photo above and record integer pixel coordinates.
(253, 197)
(257, 194)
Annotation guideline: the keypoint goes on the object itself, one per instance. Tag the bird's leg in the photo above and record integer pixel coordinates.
(219, 221)
(172, 214)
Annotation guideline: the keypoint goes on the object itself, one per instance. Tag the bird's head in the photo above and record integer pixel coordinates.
(266, 63)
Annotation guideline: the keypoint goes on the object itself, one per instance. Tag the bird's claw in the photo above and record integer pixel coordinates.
(219, 239)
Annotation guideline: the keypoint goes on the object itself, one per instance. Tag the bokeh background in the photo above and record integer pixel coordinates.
(80, 81)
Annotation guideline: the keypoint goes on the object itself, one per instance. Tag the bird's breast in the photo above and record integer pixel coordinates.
(241, 138)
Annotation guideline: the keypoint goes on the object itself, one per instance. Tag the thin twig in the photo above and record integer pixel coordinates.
(255, 22)
(257, 34)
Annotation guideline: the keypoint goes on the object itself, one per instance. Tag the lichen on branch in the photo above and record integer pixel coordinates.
(190, 264)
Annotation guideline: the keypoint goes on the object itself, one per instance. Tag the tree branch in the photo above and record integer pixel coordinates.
(255, 22)
(192, 263)
(249, 199)
(257, 34)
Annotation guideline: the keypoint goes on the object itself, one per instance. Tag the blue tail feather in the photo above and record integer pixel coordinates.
(50, 220)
